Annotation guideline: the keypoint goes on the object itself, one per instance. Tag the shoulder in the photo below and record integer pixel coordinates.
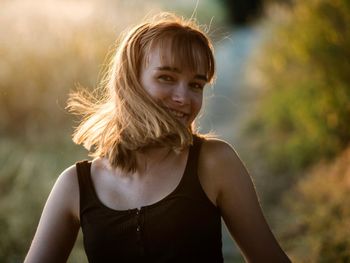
(68, 178)
(218, 167)
(220, 163)
(236, 197)
(214, 144)
(65, 192)
(59, 222)
(216, 153)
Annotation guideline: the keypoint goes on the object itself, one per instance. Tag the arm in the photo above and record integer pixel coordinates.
(238, 203)
(59, 222)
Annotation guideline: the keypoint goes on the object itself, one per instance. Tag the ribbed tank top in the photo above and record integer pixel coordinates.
(185, 226)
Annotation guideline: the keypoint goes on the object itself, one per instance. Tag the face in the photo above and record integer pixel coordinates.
(178, 89)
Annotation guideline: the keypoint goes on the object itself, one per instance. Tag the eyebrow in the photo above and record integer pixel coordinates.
(172, 69)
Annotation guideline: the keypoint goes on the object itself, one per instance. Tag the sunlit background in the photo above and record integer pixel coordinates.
(282, 99)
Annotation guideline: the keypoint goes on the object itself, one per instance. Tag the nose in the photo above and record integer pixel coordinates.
(181, 94)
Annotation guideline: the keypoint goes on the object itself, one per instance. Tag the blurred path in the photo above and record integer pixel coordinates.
(227, 104)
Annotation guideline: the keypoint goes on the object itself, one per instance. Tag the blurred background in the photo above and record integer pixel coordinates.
(282, 99)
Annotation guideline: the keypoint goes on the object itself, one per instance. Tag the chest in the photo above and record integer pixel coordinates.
(180, 226)
(128, 192)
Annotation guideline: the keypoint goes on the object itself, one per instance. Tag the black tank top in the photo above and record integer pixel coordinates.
(185, 226)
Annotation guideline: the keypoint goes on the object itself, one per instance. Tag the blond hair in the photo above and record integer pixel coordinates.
(126, 118)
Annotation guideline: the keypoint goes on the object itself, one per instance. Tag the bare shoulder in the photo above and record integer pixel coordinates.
(68, 179)
(218, 166)
(216, 153)
(59, 222)
(66, 191)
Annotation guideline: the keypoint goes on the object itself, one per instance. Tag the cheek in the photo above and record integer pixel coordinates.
(152, 88)
(197, 102)
(200, 100)
(157, 93)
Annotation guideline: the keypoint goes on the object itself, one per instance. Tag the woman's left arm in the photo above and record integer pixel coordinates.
(239, 205)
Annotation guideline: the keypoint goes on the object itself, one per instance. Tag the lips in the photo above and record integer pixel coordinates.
(178, 114)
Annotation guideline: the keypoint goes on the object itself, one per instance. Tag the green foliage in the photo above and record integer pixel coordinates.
(320, 208)
(305, 112)
(35, 146)
(302, 121)
(27, 175)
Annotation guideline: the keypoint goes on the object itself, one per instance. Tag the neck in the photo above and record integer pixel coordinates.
(149, 157)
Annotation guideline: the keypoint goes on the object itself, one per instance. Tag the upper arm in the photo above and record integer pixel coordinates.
(59, 222)
(239, 205)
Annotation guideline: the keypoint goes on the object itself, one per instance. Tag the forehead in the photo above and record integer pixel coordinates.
(185, 56)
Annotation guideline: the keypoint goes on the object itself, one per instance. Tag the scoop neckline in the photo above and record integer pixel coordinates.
(145, 207)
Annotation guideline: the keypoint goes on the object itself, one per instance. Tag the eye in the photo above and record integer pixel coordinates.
(197, 86)
(165, 78)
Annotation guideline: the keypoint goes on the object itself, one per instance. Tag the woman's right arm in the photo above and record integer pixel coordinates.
(59, 222)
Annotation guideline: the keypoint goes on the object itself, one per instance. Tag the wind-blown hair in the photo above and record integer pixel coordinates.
(127, 118)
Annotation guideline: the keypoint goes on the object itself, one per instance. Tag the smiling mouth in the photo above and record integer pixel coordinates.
(178, 114)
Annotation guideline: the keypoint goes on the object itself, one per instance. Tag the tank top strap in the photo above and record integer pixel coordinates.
(191, 186)
(194, 155)
(190, 175)
(86, 190)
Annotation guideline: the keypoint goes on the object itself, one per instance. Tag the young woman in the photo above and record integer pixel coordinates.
(155, 191)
